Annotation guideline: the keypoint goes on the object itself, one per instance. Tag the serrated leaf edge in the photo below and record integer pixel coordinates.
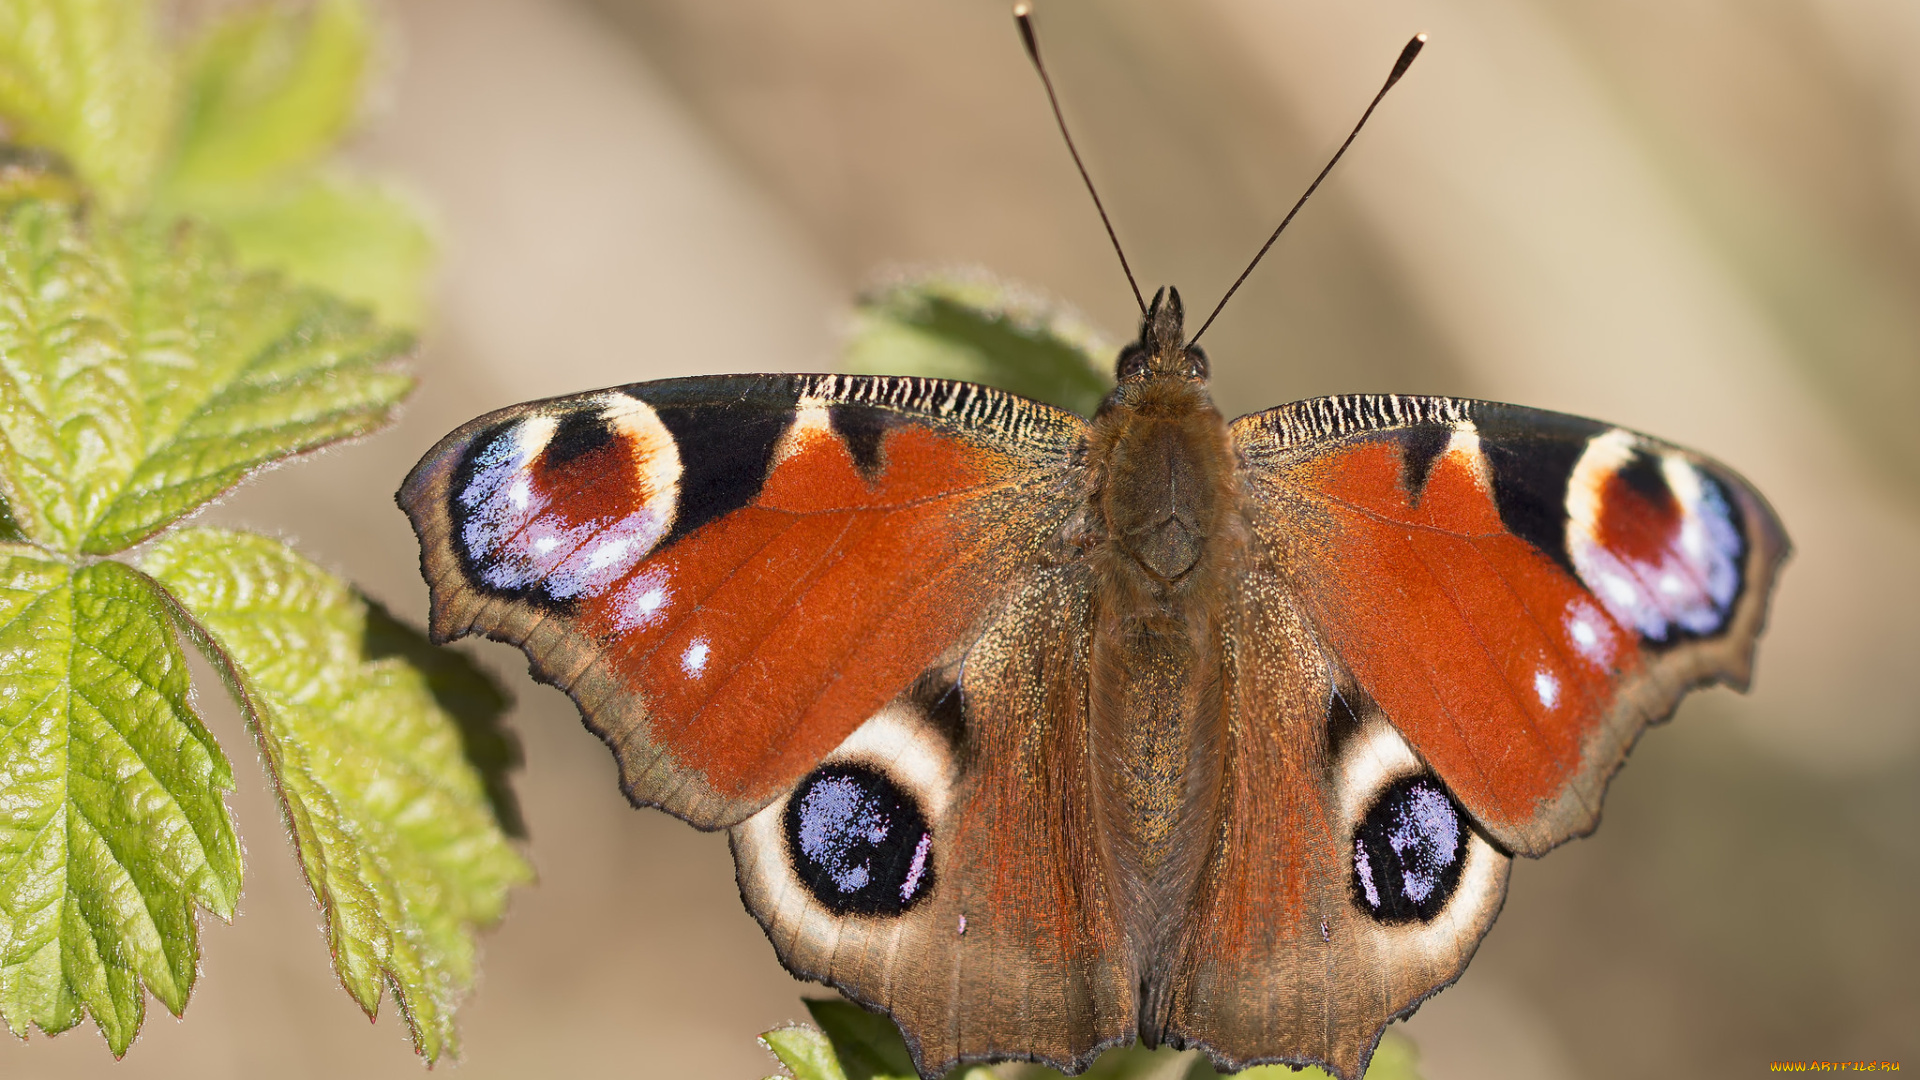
(299, 825)
(363, 972)
(120, 1027)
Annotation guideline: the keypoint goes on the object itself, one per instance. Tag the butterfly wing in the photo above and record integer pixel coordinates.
(827, 612)
(1459, 617)
(1282, 960)
(730, 574)
(1520, 591)
(984, 927)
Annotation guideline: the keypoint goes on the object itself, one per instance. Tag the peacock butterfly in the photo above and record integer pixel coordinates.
(1042, 734)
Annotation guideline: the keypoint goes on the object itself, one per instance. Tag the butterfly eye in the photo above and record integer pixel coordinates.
(858, 842)
(1197, 365)
(1408, 851)
(1133, 362)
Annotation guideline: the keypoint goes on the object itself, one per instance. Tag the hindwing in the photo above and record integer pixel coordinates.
(1346, 884)
(993, 935)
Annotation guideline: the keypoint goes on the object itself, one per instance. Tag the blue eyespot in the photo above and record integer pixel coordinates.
(858, 842)
(1408, 852)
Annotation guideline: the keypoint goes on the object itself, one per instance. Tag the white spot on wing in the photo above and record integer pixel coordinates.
(602, 555)
(694, 660)
(1592, 633)
(810, 422)
(1465, 441)
(1548, 687)
(1619, 588)
(643, 599)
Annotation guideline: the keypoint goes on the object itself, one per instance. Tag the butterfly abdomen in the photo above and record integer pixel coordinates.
(1166, 543)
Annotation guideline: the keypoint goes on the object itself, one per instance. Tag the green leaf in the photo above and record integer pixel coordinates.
(805, 1052)
(268, 90)
(88, 80)
(362, 241)
(141, 374)
(470, 696)
(978, 329)
(391, 823)
(112, 826)
(867, 1045)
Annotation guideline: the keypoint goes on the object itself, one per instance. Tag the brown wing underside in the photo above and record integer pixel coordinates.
(1014, 955)
(1280, 962)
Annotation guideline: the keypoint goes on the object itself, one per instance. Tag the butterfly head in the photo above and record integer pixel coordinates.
(1162, 348)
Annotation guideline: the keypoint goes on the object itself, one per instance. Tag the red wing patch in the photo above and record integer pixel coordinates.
(784, 624)
(1468, 631)
(1519, 592)
(731, 574)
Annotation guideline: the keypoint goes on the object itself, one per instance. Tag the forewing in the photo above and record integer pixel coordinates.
(1520, 591)
(940, 864)
(730, 574)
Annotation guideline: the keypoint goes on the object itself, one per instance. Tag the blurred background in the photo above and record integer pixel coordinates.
(1700, 218)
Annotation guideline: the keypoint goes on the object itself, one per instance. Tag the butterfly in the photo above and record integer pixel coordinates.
(1044, 733)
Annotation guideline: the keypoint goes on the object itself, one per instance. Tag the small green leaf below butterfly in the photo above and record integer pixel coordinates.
(854, 1044)
(142, 374)
(391, 822)
(805, 1051)
(975, 328)
(112, 827)
(867, 1045)
(476, 704)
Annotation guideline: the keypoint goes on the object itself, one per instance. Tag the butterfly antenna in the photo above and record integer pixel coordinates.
(1022, 14)
(1400, 67)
